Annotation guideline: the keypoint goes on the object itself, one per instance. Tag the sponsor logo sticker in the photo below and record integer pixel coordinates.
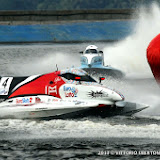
(70, 91)
(57, 79)
(97, 94)
(24, 100)
(49, 90)
(37, 100)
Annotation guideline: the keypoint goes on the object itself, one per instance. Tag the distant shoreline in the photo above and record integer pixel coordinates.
(57, 42)
(52, 17)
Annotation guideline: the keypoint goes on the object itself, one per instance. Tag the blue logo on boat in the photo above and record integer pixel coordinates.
(70, 91)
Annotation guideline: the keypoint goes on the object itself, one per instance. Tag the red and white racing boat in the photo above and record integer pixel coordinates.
(69, 93)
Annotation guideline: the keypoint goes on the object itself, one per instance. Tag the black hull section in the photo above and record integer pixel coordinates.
(98, 112)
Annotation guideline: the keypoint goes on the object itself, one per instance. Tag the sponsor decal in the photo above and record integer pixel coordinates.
(70, 91)
(24, 100)
(49, 90)
(37, 100)
(55, 100)
(57, 79)
(97, 94)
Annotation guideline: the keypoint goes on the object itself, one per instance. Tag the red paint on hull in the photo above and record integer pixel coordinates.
(153, 56)
(45, 84)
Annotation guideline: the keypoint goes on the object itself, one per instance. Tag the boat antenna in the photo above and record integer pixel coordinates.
(57, 67)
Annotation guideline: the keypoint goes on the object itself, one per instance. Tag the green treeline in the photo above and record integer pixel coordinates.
(71, 4)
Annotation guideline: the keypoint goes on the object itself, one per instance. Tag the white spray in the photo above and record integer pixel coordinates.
(129, 55)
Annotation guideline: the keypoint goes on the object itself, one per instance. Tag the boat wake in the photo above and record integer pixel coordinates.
(84, 128)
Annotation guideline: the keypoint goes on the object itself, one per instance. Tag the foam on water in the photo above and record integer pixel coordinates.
(23, 129)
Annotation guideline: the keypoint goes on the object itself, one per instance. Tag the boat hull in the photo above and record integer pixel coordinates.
(51, 111)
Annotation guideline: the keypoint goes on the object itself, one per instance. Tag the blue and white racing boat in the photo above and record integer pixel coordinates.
(92, 61)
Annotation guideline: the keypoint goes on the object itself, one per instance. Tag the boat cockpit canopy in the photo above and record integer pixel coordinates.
(77, 75)
(94, 51)
(70, 76)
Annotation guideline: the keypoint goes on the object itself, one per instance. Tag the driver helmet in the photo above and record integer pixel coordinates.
(91, 49)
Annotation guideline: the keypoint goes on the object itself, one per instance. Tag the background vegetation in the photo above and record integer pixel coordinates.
(71, 4)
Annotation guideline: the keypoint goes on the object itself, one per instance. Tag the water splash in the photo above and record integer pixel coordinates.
(129, 55)
(38, 59)
(100, 128)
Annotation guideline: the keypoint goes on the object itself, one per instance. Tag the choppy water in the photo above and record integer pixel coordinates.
(87, 138)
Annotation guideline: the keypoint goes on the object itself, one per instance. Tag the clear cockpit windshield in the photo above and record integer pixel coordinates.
(93, 51)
